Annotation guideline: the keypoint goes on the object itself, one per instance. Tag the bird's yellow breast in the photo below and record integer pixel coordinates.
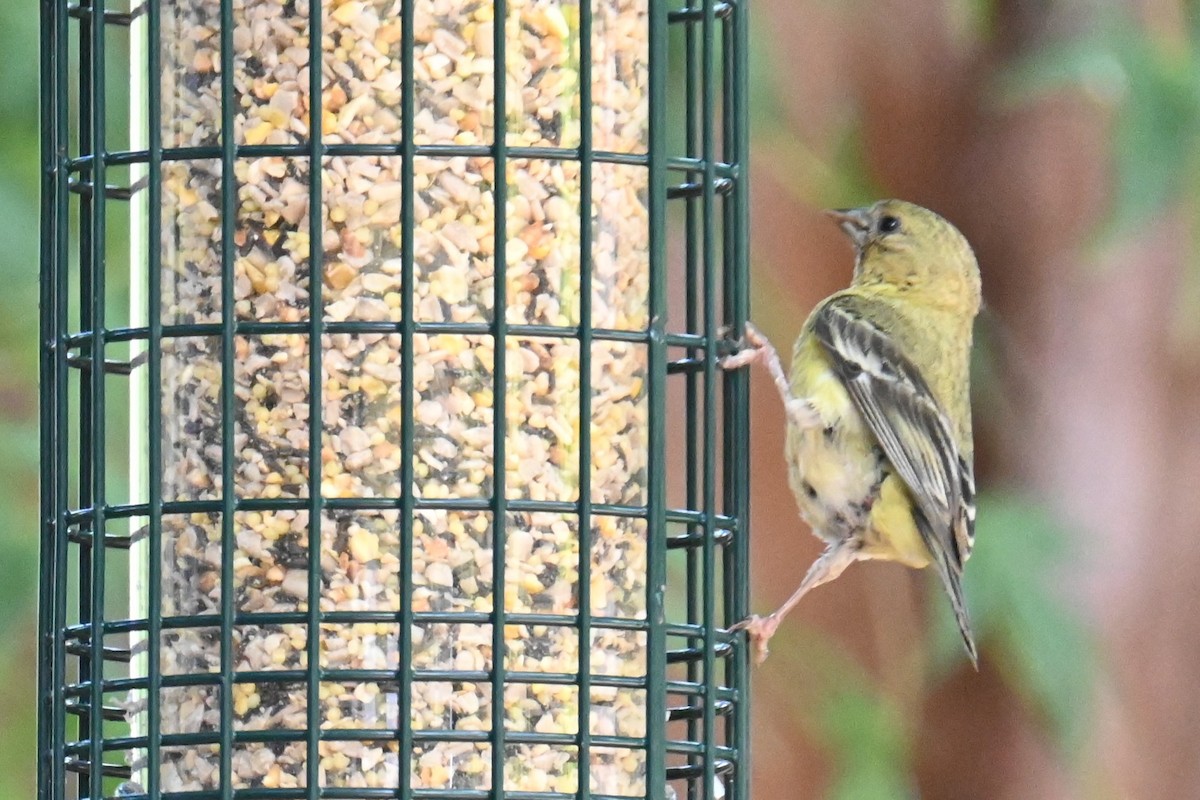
(843, 483)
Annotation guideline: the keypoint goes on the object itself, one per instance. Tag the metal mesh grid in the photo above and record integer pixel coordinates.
(695, 506)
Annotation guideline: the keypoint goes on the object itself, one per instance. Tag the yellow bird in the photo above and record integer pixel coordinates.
(879, 449)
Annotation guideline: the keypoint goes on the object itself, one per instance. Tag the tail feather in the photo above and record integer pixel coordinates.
(949, 567)
(952, 580)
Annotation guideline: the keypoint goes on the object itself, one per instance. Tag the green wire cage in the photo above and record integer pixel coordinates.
(386, 453)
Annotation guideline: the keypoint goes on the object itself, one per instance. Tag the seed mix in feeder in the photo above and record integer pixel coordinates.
(454, 257)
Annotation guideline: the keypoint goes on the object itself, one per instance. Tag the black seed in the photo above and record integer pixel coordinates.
(551, 129)
(193, 81)
(290, 552)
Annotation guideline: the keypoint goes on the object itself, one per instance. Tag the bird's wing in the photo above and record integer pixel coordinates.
(913, 431)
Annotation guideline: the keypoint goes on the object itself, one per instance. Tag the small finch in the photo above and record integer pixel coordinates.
(879, 447)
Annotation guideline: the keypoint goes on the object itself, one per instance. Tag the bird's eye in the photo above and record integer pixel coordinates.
(889, 224)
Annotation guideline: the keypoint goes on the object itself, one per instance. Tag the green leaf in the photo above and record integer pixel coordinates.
(1087, 62)
(1156, 131)
(864, 732)
(1025, 627)
(806, 173)
(972, 21)
(1154, 89)
(843, 709)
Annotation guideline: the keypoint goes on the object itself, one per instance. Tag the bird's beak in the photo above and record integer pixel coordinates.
(856, 222)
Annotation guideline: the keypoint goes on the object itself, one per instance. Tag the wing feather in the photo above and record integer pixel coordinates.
(914, 433)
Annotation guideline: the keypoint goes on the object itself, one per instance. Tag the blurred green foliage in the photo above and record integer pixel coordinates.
(871, 745)
(804, 175)
(841, 707)
(1026, 627)
(1151, 80)
(1026, 631)
(19, 170)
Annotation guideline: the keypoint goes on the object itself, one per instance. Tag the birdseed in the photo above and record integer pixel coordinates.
(454, 388)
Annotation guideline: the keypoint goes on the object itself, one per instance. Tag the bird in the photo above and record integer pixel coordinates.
(879, 444)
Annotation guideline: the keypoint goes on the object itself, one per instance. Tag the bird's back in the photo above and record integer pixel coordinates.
(843, 482)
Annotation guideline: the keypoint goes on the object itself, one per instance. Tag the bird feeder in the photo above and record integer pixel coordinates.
(385, 449)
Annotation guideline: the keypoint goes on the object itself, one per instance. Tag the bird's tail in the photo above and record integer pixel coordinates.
(952, 580)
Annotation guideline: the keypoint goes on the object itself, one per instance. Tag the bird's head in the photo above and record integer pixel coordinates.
(912, 251)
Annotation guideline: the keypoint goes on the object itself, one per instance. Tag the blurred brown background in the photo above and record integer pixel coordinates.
(1062, 137)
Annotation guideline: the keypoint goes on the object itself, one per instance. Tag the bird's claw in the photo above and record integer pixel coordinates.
(759, 631)
(753, 337)
(750, 348)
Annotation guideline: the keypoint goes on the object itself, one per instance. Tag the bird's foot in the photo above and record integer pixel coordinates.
(759, 630)
(751, 347)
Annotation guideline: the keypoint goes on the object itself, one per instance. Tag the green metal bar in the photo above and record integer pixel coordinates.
(86, 419)
(194, 153)
(53, 377)
(253, 328)
(228, 489)
(407, 388)
(711, 323)
(721, 10)
(61, 409)
(93, 275)
(119, 18)
(499, 391)
(583, 790)
(656, 579)
(692, 396)
(154, 459)
(681, 516)
(119, 192)
(381, 794)
(277, 736)
(80, 632)
(737, 570)
(424, 675)
(316, 318)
